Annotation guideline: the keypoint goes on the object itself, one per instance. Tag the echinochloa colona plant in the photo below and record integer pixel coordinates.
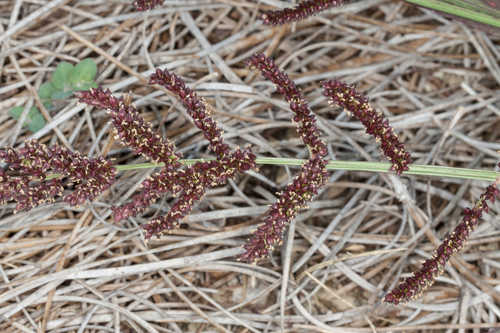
(36, 174)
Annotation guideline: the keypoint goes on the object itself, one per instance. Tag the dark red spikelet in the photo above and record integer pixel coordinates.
(193, 182)
(196, 107)
(34, 161)
(413, 286)
(375, 123)
(295, 196)
(305, 119)
(132, 129)
(303, 10)
(143, 5)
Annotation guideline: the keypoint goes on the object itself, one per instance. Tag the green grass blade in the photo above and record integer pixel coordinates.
(474, 10)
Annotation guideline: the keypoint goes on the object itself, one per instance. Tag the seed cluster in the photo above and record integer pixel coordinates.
(30, 165)
(413, 286)
(300, 12)
(131, 128)
(190, 183)
(196, 108)
(312, 176)
(143, 5)
(304, 118)
(295, 197)
(194, 181)
(375, 123)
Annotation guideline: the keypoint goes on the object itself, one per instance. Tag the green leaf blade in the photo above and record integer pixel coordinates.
(474, 10)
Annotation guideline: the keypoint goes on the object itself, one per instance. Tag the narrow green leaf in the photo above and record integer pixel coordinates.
(473, 10)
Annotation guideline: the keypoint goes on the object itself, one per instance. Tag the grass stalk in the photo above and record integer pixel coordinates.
(472, 10)
(382, 167)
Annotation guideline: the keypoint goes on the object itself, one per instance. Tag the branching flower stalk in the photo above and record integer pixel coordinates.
(26, 180)
(29, 165)
(190, 183)
(413, 286)
(195, 180)
(312, 176)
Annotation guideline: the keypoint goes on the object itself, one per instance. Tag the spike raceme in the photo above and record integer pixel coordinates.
(303, 10)
(313, 174)
(413, 286)
(143, 5)
(32, 163)
(25, 178)
(375, 123)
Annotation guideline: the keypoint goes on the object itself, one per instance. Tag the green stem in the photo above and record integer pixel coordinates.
(422, 170)
(475, 12)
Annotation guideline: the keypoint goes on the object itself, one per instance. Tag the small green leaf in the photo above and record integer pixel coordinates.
(61, 76)
(34, 120)
(61, 94)
(48, 105)
(37, 122)
(33, 112)
(46, 90)
(84, 71)
(16, 112)
(85, 85)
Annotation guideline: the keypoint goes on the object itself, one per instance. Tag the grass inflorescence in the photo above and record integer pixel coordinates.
(27, 176)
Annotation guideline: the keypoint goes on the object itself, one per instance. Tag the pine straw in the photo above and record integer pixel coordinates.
(73, 270)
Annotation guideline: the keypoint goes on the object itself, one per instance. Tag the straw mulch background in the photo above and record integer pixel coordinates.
(66, 269)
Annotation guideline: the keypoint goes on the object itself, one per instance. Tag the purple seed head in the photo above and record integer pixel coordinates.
(303, 10)
(374, 122)
(413, 286)
(142, 5)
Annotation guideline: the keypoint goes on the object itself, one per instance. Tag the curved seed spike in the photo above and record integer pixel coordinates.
(374, 122)
(305, 119)
(303, 10)
(132, 129)
(196, 108)
(143, 5)
(413, 286)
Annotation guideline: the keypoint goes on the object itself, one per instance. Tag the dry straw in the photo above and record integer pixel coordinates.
(371, 45)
